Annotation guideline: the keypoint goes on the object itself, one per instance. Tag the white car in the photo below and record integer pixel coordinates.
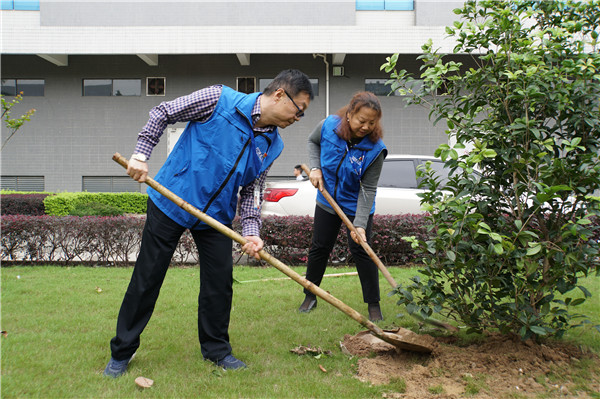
(396, 192)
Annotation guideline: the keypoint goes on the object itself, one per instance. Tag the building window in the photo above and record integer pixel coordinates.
(155, 86)
(263, 83)
(110, 184)
(385, 5)
(29, 87)
(246, 85)
(20, 5)
(112, 87)
(127, 87)
(23, 183)
(379, 88)
(9, 87)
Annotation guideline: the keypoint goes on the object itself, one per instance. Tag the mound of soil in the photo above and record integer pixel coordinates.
(496, 367)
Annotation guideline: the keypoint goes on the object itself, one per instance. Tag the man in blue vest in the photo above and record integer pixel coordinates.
(230, 141)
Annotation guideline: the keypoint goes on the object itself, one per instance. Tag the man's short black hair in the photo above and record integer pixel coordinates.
(293, 81)
(298, 167)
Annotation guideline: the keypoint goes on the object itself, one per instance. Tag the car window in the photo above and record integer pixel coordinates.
(440, 171)
(398, 174)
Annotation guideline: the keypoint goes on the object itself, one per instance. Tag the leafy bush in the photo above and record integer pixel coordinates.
(288, 238)
(63, 204)
(68, 239)
(115, 240)
(22, 204)
(508, 240)
(387, 241)
(95, 209)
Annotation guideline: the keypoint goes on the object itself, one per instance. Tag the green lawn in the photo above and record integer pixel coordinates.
(59, 322)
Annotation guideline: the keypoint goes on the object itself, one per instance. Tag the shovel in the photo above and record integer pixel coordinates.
(370, 251)
(408, 340)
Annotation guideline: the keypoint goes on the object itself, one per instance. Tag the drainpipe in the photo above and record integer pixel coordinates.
(324, 56)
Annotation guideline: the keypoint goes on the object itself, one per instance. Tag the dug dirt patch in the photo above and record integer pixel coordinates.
(497, 367)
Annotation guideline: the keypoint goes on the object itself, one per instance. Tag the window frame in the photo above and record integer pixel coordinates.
(19, 90)
(112, 87)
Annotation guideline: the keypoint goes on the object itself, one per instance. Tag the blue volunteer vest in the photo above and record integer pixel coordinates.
(212, 159)
(343, 167)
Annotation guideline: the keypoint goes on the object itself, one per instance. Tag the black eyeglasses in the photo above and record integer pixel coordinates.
(300, 113)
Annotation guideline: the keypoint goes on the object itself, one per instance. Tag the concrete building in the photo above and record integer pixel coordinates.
(93, 70)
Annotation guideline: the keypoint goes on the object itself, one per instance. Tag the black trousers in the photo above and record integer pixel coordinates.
(159, 241)
(326, 227)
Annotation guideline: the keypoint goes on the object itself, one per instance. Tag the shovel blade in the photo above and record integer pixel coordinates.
(407, 340)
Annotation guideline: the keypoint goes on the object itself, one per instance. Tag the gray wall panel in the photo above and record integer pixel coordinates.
(71, 136)
(197, 13)
(436, 12)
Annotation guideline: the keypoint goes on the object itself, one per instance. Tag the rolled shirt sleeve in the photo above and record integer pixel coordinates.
(197, 106)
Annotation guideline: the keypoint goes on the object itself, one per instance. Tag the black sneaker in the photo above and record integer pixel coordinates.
(229, 362)
(116, 368)
(375, 312)
(310, 302)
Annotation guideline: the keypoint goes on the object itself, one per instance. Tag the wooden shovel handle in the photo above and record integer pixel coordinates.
(352, 228)
(371, 253)
(264, 255)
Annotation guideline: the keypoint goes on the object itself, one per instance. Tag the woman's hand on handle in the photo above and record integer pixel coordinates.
(316, 178)
(361, 232)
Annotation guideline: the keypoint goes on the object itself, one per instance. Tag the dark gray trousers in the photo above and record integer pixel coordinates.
(326, 227)
(159, 241)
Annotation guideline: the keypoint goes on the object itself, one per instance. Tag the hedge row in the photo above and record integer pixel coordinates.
(288, 238)
(115, 240)
(64, 203)
(23, 204)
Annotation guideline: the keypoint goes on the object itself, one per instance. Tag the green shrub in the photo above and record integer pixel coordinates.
(95, 209)
(511, 242)
(64, 203)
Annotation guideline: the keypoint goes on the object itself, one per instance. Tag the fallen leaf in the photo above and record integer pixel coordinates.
(303, 350)
(144, 382)
(98, 290)
(345, 350)
(322, 368)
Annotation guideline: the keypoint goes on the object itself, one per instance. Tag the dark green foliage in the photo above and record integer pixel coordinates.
(506, 241)
(95, 209)
(63, 204)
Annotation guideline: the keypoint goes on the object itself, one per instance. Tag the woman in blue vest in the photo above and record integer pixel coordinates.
(230, 141)
(346, 156)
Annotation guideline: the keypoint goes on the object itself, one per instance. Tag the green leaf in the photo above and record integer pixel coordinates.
(534, 249)
(519, 224)
(585, 291)
(498, 249)
(538, 330)
(577, 301)
(451, 255)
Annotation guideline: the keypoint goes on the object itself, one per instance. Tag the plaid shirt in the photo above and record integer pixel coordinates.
(199, 106)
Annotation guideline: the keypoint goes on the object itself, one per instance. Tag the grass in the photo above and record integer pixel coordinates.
(59, 322)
